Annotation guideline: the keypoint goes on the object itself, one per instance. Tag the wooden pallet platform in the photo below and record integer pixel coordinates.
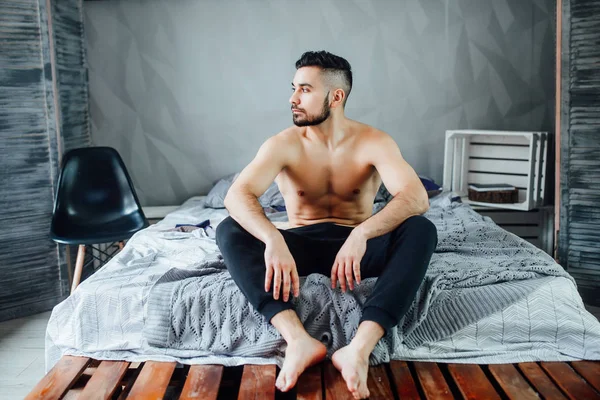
(85, 378)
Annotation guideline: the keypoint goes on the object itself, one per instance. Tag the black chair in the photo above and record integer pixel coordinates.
(95, 203)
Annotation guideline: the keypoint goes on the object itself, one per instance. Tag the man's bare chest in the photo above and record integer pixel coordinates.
(312, 178)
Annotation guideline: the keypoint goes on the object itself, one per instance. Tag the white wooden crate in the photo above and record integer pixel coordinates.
(535, 226)
(482, 156)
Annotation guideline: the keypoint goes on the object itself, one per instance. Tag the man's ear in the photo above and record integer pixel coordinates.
(338, 97)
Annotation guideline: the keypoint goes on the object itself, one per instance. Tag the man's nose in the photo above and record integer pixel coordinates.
(294, 100)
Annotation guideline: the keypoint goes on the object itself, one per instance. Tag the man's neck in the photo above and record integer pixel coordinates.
(332, 131)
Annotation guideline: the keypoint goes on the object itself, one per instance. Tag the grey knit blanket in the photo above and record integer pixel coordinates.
(477, 270)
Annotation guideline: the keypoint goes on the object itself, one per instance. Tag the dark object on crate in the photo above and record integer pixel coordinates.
(493, 193)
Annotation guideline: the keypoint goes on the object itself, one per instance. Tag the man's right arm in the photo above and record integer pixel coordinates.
(242, 198)
(243, 206)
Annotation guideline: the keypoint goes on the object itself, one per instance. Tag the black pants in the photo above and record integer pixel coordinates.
(399, 258)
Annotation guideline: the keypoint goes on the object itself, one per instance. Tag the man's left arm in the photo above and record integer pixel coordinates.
(409, 198)
(403, 183)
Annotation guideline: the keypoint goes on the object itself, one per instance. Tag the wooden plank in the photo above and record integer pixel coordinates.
(524, 231)
(508, 153)
(519, 181)
(75, 391)
(379, 384)
(590, 370)
(558, 125)
(500, 166)
(506, 217)
(574, 386)
(511, 381)
(153, 381)
(540, 381)
(310, 384)
(502, 139)
(258, 382)
(335, 386)
(105, 380)
(60, 378)
(130, 376)
(405, 384)
(432, 381)
(472, 382)
(202, 382)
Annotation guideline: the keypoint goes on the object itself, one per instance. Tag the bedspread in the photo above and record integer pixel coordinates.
(168, 296)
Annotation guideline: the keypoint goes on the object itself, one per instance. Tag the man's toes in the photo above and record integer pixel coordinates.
(286, 383)
(363, 391)
(352, 384)
(280, 381)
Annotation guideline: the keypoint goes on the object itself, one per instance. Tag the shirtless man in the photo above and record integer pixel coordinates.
(328, 169)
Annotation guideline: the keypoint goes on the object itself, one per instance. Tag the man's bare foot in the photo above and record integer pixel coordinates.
(354, 367)
(299, 355)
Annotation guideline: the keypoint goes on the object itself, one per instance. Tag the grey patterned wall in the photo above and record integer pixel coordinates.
(43, 111)
(188, 90)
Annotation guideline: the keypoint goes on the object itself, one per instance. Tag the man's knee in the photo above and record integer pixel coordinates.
(421, 227)
(226, 230)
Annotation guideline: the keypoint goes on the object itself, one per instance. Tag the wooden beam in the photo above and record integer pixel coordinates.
(540, 381)
(105, 380)
(432, 381)
(202, 382)
(379, 384)
(153, 381)
(258, 382)
(590, 370)
(310, 384)
(60, 378)
(574, 386)
(557, 121)
(472, 382)
(511, 381)
(405, 384)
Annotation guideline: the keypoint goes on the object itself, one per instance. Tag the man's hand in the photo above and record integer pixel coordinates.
(346, 267)
(281, 268)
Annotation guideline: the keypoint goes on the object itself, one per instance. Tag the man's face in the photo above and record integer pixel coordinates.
(310, 100)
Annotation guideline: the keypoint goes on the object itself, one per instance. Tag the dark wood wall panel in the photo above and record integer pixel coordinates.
(28, 258)
(34, 80)
(579, 235)
(71, 73)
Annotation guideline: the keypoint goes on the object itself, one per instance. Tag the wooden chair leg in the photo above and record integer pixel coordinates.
(78, 267)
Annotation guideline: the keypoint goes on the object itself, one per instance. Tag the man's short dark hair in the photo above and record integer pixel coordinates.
(332, 65)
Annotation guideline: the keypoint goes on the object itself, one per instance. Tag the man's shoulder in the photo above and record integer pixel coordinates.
(285, 143)
(289, 136)
(292, 132)
(371, 134)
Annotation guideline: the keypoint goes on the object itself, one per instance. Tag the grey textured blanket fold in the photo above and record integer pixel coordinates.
(477, 269)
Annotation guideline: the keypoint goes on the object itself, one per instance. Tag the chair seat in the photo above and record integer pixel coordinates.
(70, 231)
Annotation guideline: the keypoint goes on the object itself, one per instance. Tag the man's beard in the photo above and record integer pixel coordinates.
(306, 120)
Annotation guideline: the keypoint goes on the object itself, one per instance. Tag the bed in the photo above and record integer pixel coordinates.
(489, 297)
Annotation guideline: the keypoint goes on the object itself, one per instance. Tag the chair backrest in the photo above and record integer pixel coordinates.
(94, 187)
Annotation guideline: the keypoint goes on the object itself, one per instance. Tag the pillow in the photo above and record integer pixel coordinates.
(216, 197)
(432, 188)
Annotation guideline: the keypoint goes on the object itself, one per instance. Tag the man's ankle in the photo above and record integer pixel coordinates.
(289, 326)
(366, 338)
